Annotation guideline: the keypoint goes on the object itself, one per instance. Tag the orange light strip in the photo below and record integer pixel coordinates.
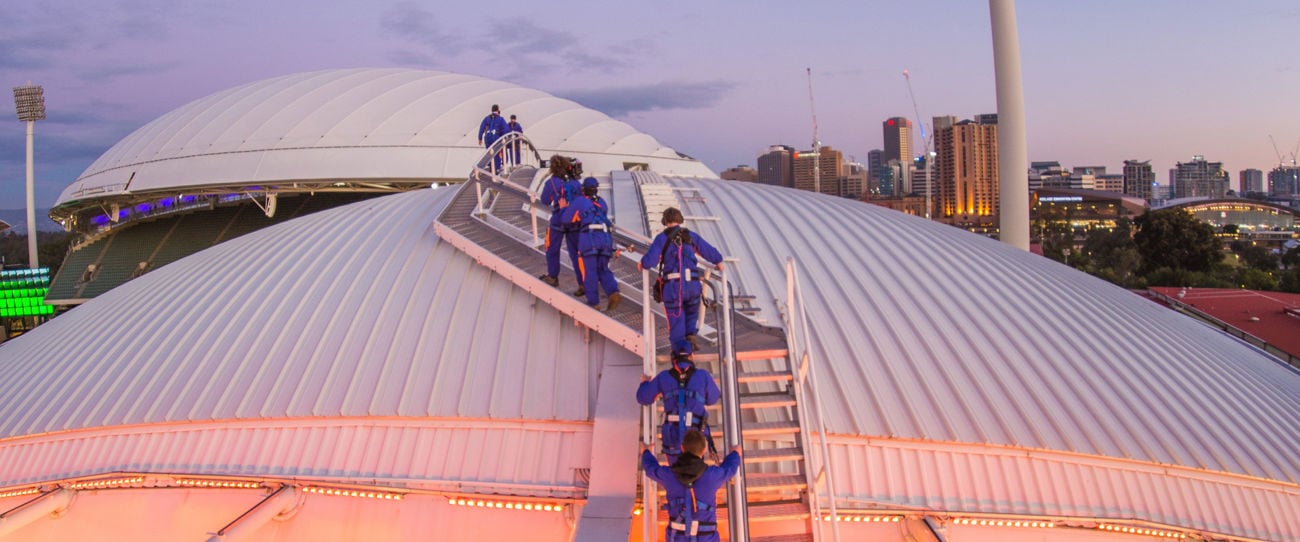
(863, 518)
(19, 492)
(1004, 523)
(1142, 531)
(237, 484)
(358, 493)
(507, 505)
(106, 482)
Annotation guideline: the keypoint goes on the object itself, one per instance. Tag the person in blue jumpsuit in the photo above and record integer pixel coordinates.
(516, 128)
(595, 244)
(491, 129)
(557, 192)
(691, 489)
(687, 391)
(674, 251)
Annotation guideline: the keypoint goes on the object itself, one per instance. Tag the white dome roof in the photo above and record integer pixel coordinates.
(355, 125)
(958, 374)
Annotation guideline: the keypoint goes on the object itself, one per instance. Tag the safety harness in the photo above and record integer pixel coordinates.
(684, 418)
(680, 237)
(684, 522)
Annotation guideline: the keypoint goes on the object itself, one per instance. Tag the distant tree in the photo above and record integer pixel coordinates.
(1175, 239)
(1291, 257)
(1112, 254)
(51, 247)
(1231, 229)
(1058, 237)
(1290, 281)
(1257, 257)
(1256, 279)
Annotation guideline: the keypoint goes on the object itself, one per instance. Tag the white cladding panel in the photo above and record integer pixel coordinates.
(356, 124)
(356, 311)
(924, 331)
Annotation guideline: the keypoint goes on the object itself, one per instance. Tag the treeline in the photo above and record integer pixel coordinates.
(51, 247)
(1170, 247)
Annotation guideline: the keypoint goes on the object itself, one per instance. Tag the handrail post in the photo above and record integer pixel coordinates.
(532, 210)
(649, 497)
(738, 511)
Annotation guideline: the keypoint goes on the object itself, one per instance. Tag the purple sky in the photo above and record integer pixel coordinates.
(1105, 80)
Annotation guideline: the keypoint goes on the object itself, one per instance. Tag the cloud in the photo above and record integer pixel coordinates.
(619, 101)
(413, 24)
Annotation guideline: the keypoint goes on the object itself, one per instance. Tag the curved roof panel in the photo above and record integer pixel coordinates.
(355, 124)
(924, 331)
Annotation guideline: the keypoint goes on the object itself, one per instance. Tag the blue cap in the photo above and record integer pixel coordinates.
(682, 349)
(590, 182)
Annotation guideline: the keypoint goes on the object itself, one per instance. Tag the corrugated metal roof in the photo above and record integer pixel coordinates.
(357, 311)
(356, 125)
(924, 331)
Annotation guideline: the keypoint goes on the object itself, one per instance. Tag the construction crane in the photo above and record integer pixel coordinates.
(1281, 158)
(817, 142)
(925, 143)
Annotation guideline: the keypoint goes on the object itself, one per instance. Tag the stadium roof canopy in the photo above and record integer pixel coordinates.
(1011, 378)
(369, 129)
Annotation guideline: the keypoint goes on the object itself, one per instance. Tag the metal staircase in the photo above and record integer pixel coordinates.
(769, 400)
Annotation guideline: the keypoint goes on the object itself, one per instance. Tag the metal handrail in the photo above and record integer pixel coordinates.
(737, 505)
(805, 375)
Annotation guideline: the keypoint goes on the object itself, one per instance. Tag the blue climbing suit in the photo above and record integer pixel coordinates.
(491, 129)
(559, 192)
(515, 127)
(686, 394)
(682, 287)
(595, 245)
(692, 508)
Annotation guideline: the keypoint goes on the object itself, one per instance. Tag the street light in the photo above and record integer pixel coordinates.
(29, 100)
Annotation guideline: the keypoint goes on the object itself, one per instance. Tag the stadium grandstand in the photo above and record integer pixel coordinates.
(392, 369)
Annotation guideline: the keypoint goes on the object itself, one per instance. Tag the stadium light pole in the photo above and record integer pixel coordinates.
(29, 100)
(1013, 156)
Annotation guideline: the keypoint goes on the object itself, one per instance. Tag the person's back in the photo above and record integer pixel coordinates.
(687, 392)
(675, 250)
(691, 489)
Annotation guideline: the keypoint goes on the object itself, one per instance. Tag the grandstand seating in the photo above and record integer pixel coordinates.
(171, 238)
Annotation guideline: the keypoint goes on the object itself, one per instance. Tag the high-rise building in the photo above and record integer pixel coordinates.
(1284, 182)
(1250, 181)
(875, 161)
(776, 166)
(1138, 179)
(739, 173)
(827, 173)
(1200, 178)
(898, 146)
(966, 172)
(920, 182)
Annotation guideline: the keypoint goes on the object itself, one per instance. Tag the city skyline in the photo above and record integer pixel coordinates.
(1154, 89)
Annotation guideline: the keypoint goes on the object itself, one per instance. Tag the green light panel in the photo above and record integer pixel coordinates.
(22, 293)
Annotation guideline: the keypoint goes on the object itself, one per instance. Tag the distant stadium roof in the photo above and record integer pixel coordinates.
(355, 125)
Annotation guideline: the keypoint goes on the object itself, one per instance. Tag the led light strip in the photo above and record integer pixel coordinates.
(238, 484)
(19, 492)
(862, 518)
(359, 493)
(1004, 523)
(106, 482)
(1140, 531)
(507, 505)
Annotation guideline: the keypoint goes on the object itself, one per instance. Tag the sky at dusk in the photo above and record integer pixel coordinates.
(1105, 80)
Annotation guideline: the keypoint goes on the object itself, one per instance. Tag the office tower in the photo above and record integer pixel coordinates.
(1138, 179)
(830, 170)
(966, 172)
(1250, 181)
(875, 161)
(1284, 182)
(898, 147)
(776, 166)
(1200, 178)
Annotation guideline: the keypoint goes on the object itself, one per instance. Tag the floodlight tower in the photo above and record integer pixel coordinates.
(29, 100)
(1013, 154)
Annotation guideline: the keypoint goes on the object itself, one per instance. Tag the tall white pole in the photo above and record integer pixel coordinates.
(1013, 157)
(31, 203)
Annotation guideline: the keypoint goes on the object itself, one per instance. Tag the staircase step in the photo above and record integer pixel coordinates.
(777, 510)
(753, 355)
(773, 455)
(752, 430)
(766, 400)
(764, 376)
(765, 482)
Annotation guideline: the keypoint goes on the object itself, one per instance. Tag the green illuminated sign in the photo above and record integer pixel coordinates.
(22, 293)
